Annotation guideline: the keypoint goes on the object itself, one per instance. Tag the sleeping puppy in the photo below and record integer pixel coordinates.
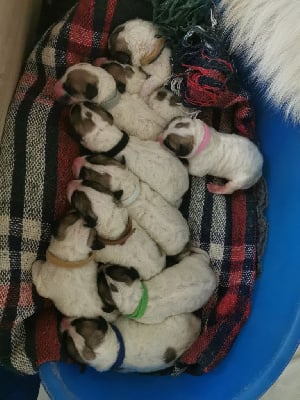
(184, 287)
(223, 155)
(69, 275)
(85, 82)
(128, 346)
(163, 222)
(148, 160)
(139, 43)
(126, 243)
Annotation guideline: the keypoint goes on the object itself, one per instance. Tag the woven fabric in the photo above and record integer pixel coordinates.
(35, 160)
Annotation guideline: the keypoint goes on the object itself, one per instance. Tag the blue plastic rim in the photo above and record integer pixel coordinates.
(272, 333)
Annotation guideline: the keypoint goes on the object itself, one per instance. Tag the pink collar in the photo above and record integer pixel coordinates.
(204, 143)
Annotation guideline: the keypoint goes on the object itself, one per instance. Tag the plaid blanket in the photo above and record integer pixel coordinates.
(35, 160)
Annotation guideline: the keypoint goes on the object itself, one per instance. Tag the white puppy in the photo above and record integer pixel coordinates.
(184, 287)
(126, 243)
(267, 34)
(146, 159)
(128, 346)
(69, 275)
(139, 43)
(85, 82)
(223, 155)
(163, 222)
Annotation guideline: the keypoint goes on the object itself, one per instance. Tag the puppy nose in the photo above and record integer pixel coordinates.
(78, 163)
(160, 138)
(65, 324)
(72, 186)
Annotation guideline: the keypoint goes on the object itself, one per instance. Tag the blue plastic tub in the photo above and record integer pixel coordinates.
(272, 333)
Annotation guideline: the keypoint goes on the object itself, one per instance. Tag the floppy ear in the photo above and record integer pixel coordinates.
(99, 182)
(97, 244)
(91, 91)
(118, 194)
(121, 86)
(122, 57)
(122, 274)
(82, 203)
(105, 293)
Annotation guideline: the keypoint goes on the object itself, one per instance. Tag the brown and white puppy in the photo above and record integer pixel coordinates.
(146, 159)
(139, 43)
(163, 222)
(167, 104)
(223, 155)
(69, 275)
(184, 287)
(126, 243)
(129, 346)
(85, 82)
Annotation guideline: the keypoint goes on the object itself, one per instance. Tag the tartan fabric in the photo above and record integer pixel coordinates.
(35, 160)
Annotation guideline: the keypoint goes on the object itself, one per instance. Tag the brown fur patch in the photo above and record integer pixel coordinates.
(81, 82)
(69, 219)
(181, 146)
(81, 125)
(170, 355)
(182, 125)
(96, 181)
(118, 47)
(82, 203)
(104, 292)
(122, 274)
(161, 94)
(100, 159)
(105, 115)
(174, 100)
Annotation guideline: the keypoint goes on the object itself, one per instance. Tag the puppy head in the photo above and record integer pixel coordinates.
(88, 118)
(71, 228)
(117, 284)
(110, 173)
(80, 201)
(121, 73)
(84, 82)
(82, 337)
(179, 136)
(136, 42)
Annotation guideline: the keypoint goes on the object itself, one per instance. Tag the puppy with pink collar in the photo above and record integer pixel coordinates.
(210, 152)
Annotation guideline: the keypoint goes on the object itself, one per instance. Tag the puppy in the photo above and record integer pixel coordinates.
(139, 43)
(126, 243)
(128, 346)
(228, 156)
(85, 82)
(69, 275)
(266, 34)
(163, 222)
(184, 287)
(128, 78)
(146, 159)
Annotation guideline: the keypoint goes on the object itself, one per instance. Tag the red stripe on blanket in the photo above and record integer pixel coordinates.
(68, 149)
(111, 5)
(25, 298)
(81, 38)
(46, 337)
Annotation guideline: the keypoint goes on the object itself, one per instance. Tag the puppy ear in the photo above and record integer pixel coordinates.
(82, 203)
(122, 57)
(118, 194)
(88, 353)
(91, 91)
(122, 274)
(121, 87)
(97, 244)
(105, 293)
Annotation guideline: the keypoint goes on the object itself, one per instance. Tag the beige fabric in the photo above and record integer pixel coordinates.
(18, 21)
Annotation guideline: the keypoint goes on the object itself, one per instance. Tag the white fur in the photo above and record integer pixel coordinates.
(140, 38)
(146, 159)
(130, 112)
(139, 250)
(184, 287)
(145, 345)
(267, 35)
(228, 156)
(74, 291)
(163, 222)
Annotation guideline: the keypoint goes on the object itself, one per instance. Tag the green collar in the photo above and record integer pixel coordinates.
(141, 308)
(111, 101)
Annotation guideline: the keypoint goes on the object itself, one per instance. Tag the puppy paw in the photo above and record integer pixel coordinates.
(220, 189)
